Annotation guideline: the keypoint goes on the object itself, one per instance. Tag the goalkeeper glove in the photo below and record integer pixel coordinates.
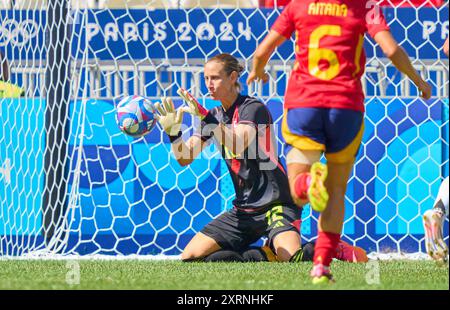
(169, 118)
(195, 108)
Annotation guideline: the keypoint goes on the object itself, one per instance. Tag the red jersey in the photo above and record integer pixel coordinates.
(330, 57)
(272, 4)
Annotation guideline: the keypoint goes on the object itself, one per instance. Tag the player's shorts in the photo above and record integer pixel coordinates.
(337, 132)
(236, 229)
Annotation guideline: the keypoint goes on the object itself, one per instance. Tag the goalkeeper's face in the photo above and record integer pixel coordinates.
(219, 84)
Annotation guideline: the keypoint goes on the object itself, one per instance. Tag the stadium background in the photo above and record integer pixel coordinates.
(135, 199)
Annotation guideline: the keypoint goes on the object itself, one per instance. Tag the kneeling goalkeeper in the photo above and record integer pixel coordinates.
(263, 206)
(241, 126)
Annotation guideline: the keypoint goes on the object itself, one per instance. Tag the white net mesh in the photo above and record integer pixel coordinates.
(92, 190)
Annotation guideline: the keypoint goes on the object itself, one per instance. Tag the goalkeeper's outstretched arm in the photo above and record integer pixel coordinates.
(186, 152)
(401, 61)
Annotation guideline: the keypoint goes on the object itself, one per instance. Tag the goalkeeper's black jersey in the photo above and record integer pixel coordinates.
(259, 179)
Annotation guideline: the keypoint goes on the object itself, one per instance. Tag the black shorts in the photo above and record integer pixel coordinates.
(236, 230)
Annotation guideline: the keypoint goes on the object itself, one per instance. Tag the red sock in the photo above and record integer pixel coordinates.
(325, 248)
(302, 182)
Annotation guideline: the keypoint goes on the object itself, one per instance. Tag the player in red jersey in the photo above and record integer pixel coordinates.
(324, 103)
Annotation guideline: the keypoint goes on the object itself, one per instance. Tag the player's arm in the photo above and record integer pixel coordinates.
(446, 47)
(262, 56)
(186, 152)
(171, 121)
(236, 139)
(401, 61)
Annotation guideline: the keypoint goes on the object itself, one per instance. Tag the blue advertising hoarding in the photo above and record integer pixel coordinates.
(197, 33)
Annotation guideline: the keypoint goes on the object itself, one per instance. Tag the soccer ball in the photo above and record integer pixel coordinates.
(135, 116)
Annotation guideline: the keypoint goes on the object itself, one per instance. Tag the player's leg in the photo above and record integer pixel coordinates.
(224, 256)
(302, 131)
(433, 223)
(307, 178)
(259, 254)
(288, 246)
(443, 197)
(200, 252)
(344, 134)
(299, 180)
(266, 254)
(348, 253)
(220, 240)
(336, 184)
(283, 230)
(199, 247)
(344, 252)
(330, 222)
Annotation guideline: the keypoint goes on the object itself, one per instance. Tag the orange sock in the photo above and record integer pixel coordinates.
(325, 248)
(302, 182)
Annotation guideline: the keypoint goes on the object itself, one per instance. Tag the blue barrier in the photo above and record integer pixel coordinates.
(197, 33)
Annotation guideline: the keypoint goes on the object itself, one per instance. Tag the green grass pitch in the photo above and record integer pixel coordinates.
(175, 275)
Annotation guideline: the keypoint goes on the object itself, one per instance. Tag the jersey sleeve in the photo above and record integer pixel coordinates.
(375, 21)
(284, 24)
(255, 114)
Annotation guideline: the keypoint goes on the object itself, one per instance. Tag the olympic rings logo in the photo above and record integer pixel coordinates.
(18, 33)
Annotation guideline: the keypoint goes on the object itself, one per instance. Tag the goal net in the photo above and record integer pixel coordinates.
(72, 183)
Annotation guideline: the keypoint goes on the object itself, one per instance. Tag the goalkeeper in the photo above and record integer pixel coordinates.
(263, 204)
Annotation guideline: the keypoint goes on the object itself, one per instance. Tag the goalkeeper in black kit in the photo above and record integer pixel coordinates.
(263, 207)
